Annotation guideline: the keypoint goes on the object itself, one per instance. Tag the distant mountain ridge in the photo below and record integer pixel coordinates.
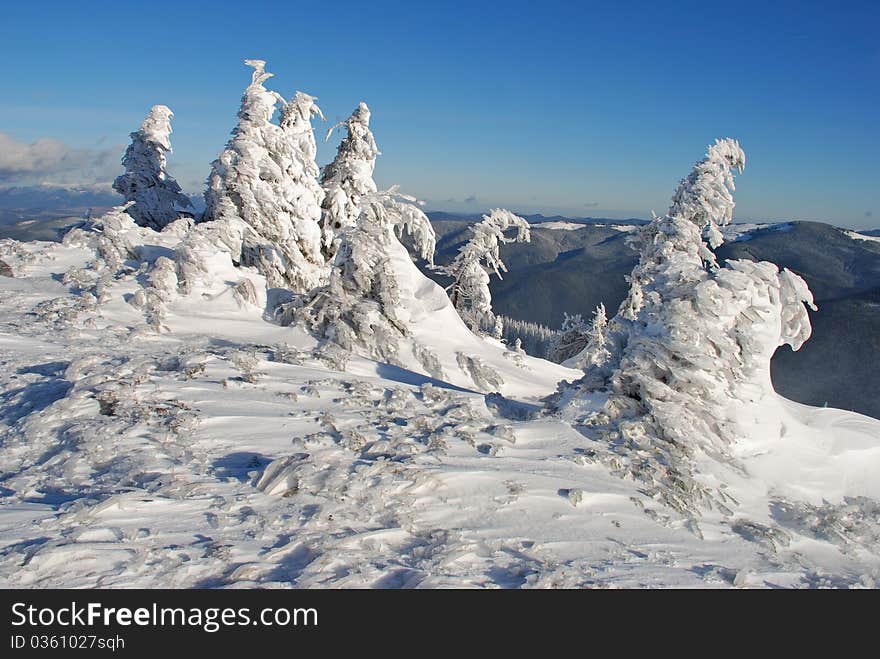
(37, 212)
(38, 201)
(537, 218)
(50, 198)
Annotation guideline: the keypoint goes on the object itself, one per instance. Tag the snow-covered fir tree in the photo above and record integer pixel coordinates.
(580, 343)
(302, 191)
(349, 177)
(691, 344)
(157, 197)
(479, 256)
(351, 193)
(569, 340)
(266, 178)
(705, 200)
(596, 350)
(360, 306)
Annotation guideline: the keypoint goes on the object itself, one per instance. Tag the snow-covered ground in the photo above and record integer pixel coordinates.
(623, 228)
(226, 452)
(559, 225)
(861, 236)
(743, 231)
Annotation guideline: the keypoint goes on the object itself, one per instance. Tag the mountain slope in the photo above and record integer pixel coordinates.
(227, 452)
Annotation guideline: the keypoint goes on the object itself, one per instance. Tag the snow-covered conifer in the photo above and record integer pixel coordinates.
(597, 339)
(570, 340)
(478, 257)
(266, 178)
(349, 177)
(156, 195)
(350, 189)
(359, 308)
(692, 342)
(585, 340)
(705, 197)
(702, 202)
(302, 193)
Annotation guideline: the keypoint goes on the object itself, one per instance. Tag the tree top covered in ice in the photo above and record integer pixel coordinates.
(297, 114)
(352, 196)
(705, 197)
(356, 156)
(349, 177)
(258, 103)
(266, 180)
(487, 237)
(157, 127)
(470, 269)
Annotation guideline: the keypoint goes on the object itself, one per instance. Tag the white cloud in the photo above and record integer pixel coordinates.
(52, 162)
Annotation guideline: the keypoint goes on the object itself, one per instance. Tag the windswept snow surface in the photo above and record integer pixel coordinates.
(226, 452)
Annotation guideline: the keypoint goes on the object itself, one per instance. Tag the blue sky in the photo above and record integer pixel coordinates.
(574, 108)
